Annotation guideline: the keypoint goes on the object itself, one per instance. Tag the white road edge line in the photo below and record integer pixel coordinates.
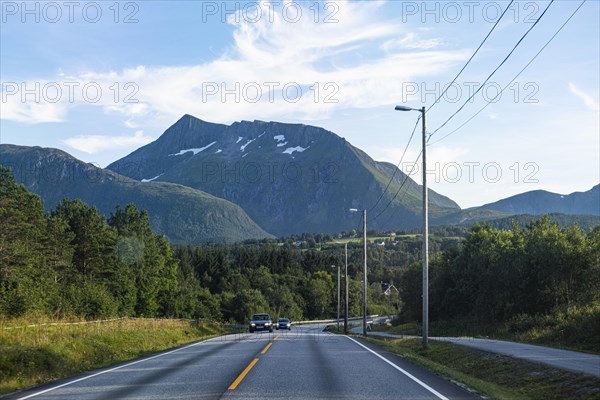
(112, 369)
(429, 388)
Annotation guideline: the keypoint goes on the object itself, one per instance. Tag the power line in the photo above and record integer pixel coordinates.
(397, 192)
(516, 76)
(398, 166)
(418, 119)
(494, 71)
(465, 66)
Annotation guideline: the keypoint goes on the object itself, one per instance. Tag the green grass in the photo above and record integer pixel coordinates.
(494, 375)
(575, 328)
(34, 355)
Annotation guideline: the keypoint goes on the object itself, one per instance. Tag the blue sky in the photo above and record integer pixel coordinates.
(100, 79)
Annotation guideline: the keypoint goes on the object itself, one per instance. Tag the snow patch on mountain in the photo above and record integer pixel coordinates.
(280, 140)
(195, 151)
(291, 150)
(151, 179)
(243, 147)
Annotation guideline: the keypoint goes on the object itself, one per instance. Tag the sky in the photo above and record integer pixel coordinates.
(101, 79)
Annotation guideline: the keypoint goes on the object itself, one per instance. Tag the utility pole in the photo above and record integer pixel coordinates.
(346, 282)
(365, 273)
(338, 307)
(338, 296)
(425, 342)
(425, 239)
(365, 269)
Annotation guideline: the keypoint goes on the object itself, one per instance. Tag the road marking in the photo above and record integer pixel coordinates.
(240, 378)
(276, 337)
(266, 348)
(112, 369)
(423, 384)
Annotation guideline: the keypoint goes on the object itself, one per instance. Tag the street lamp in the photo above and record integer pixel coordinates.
(338, 298)
(346, 285)
(425, 228)
(364, 269)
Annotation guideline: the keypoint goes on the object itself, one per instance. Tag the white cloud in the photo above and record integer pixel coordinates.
(411, 41)
(587, 99)
(439, 158)
(335, 65)
(92, 144)
(14, 109)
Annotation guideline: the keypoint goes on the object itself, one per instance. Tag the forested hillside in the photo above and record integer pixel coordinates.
(72, 262)
(541, 278)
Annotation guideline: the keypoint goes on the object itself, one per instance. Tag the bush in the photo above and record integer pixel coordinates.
(574, 326)
(93, 301)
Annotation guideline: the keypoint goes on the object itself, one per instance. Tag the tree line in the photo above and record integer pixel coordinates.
(73, 262)
(496, 275)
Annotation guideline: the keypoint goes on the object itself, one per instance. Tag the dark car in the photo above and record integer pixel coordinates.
(283, 323)
(260, 322)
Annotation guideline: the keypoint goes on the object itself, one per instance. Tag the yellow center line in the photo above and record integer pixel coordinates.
(276, 337)
(240, 378)
(266, 348)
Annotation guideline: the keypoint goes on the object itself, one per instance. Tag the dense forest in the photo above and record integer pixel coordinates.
(495, 274)
(74, 262)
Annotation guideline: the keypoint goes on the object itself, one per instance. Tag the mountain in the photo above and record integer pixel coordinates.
(183, 214)
(290, 178)
(585, 222)
(539, 202)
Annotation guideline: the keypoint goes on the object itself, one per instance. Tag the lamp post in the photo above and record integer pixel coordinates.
(364, 269)
(425, 228)
(346, 293)
(338, 297)
(346, 287)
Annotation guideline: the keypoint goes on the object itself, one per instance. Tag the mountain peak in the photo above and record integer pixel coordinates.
(289, 177)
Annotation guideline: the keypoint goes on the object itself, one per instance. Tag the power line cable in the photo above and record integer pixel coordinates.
(398, 166)
(516, 76)
(493, 72)
(473, 56)
(397, 192)
(418, 119)
(501, 91)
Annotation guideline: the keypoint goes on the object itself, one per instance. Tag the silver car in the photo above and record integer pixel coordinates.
(260, 322)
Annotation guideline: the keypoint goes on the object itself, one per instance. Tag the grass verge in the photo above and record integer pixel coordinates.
(574, 328)
(494, 375)
(34, 355)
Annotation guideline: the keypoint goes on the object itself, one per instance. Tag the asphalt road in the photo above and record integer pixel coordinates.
(304, 363)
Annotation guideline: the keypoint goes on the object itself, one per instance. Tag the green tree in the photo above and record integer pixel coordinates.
(153, 266)
(93, 240)
(319, 295)
(25, 276)
(248, 302)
